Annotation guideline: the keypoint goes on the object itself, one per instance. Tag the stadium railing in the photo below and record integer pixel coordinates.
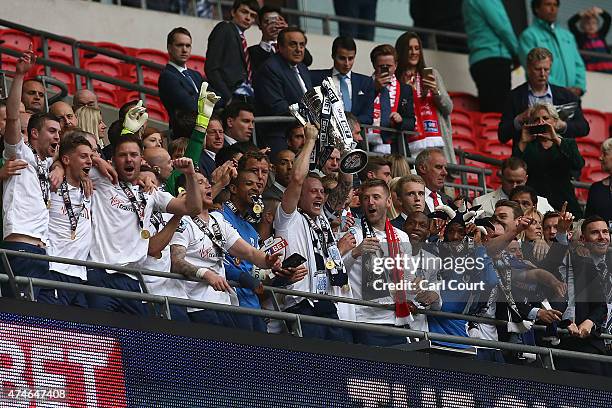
(547, 354)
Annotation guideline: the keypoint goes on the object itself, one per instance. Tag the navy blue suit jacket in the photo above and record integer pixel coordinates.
(362, 92)
(405, 109)
(207, 164)
(177, 92)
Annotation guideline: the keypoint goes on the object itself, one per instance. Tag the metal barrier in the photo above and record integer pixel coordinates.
(547, 354)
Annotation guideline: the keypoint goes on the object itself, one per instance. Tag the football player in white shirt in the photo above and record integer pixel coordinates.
(300, 222)
(198, 249)
(121, 216)
(26, 198)
(373, 238)
(70, 216)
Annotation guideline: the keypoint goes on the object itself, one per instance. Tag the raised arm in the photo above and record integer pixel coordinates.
(12, 132)
(159, 241)
(291, 196)
(191, 203)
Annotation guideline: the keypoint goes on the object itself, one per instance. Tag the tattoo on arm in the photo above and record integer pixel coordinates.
(179, 264)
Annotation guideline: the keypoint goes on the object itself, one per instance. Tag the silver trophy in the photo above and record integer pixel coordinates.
(323, 107)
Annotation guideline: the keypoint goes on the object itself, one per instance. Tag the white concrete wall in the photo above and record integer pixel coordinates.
(131, 27)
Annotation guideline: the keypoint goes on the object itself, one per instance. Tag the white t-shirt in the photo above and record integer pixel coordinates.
(155, 284)
(60, 233)
(24, 209)
(202, 253)
(297, 232)
(367, 314)
(116, 231)
(429, 265)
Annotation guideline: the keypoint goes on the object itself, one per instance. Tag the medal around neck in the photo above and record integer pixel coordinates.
(323, 106)
(145, 234)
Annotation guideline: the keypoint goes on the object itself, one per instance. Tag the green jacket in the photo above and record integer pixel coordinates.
(193, 151)
(567, 68)
(489, 31)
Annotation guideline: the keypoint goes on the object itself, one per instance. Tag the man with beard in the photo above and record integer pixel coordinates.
(198, 249)
(376, 240)
(299, 220)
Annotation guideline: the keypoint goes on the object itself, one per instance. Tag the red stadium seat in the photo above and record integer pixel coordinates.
(461, 116)
(461, 129)
(582, 194)
(150, 75)
(87, 54)
(490, 120)
(488, 133)
(59, 51)
(18, 40)
(152, 55)
(63, 76)
(197, 63)
(103, 67)
(464, 101)
(587, 147)
(599, 125)
(496, 149)
(591, 161)
(156, 109)
(106, 95)
(468, 144)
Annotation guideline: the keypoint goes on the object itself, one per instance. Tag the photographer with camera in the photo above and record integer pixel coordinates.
(552, 160)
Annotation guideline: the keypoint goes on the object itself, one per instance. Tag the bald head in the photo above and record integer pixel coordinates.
(65, 114)
(160, 161)
(33, 96)
(84, 97)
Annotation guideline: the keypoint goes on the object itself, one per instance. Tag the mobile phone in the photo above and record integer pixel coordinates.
(293, 261)
(537, 129)
(428, 71)
(272, 19)
(3, 89)
(384, 69)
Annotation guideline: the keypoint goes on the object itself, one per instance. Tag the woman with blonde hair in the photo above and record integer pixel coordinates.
(399, 165)
(552, 161)
(533, 245)
(90, 120)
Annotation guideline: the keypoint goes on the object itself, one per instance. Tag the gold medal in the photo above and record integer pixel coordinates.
(237, 261)
(145, 234)
(73, 235)
(257, 209)
(48, 204)
(330, 264)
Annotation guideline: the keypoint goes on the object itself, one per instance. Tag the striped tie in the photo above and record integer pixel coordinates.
(247, 58)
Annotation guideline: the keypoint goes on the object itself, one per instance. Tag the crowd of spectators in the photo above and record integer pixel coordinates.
(208, 201)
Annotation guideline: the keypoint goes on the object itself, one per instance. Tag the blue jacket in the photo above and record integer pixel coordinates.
(177, 92)
(362, 92)
(489, 31)
(567, 68)
(234, 267)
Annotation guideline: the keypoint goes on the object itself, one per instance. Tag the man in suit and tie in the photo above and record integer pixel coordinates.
(356, 90)
(228, 65)
(213, 143)
(431, 165)
(537, 89)
(179, 86)
(282, 81)
(239, 122)
(271, 22)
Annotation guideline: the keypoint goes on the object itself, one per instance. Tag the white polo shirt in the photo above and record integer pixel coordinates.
(60, 242)
(24, 209)
(116, 232)
(201, 252)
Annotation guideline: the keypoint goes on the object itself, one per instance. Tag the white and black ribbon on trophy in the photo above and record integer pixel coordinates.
(324, 108)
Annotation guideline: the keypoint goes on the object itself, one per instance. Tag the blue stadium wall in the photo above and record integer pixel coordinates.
(107, 360)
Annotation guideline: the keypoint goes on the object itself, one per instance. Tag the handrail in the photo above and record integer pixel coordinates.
(169, 275)
(543, 351)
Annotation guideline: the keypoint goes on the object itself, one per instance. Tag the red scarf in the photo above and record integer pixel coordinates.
(427, 121)
(403, 309)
